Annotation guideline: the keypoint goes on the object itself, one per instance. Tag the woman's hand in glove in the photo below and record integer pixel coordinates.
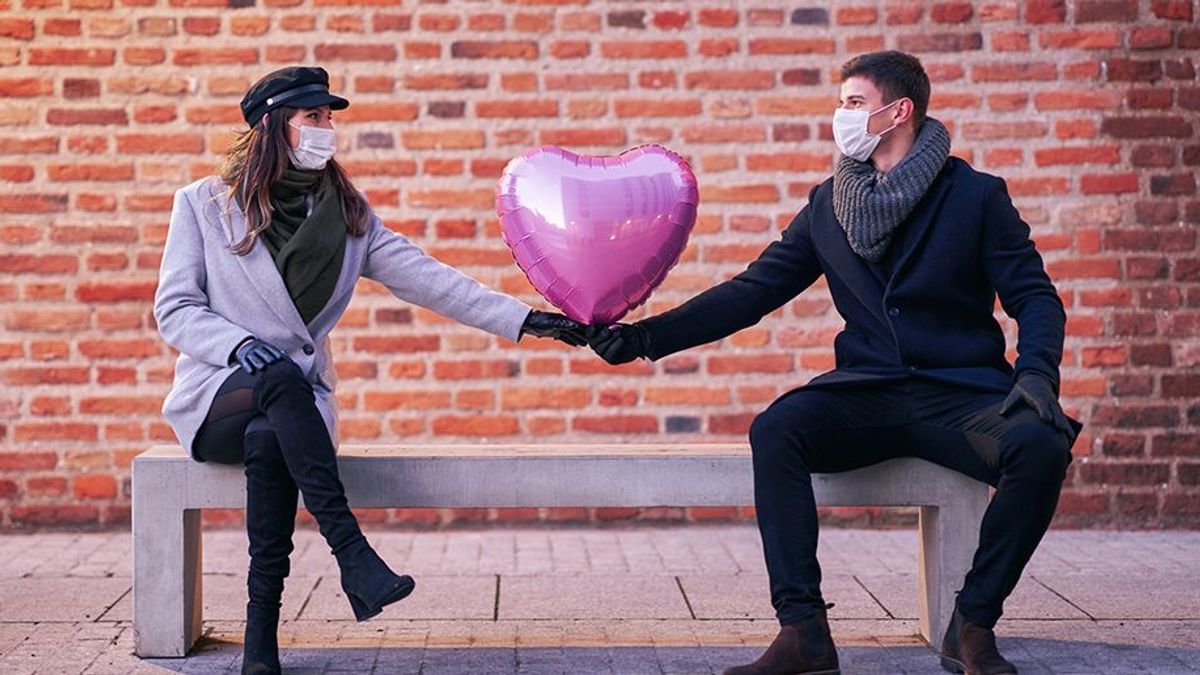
(619, 343)
(255, 355)
(553, 325)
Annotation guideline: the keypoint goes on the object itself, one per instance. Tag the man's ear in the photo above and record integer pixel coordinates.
(904, 111)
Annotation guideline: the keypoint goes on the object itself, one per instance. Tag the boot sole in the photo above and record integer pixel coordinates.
(362, 611)
(952, 665)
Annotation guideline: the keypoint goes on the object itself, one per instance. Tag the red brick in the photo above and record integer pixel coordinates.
(64, 56)
(1131, 70)
(670, 19)
(500, 49)
(95, 486)
(27, 461)
(517, 109)
(1172, 10)
(788, 46)
(1080, 39)
(1090, 11)
(18, 29)
(1101, 154)
(1125, 473)
(475, 425)
(951, 12)
(657, 107)
(56, 514)
(55, 431)
(653, 49)
(940, 42)
(1015, 72)
(738, 424)
(46, 375)
(1108, 183)
(616, 424)
(718, 18)
(199, 56)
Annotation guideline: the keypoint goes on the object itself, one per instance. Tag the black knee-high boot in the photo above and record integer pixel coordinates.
(286, 398)
(270, 522)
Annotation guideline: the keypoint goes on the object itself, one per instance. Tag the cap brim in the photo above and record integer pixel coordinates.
(318, 99)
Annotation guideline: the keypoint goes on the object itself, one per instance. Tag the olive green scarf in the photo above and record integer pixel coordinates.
(307, 248)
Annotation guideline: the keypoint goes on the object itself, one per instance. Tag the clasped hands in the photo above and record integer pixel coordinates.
(615, 343)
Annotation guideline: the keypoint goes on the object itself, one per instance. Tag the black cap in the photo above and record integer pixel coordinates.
(295, 87)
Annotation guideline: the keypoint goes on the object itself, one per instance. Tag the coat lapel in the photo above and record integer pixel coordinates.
(850, 267)
(260, 269)
(923, 215)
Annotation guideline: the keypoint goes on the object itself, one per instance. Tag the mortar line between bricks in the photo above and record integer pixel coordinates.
(308, 597)
(114, 604)
(686, 601)
(1064, 598)
(868, 591)
(496, 601)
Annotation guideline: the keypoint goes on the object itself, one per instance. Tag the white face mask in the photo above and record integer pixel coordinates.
(851, 135)
(317, 146)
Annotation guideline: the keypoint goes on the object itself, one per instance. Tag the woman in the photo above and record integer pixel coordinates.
(259, 264)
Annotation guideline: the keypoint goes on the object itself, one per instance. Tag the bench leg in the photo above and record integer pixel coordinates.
(167, 570)
(948, 541)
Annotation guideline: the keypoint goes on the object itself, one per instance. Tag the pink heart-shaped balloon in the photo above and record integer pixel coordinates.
(595, 235)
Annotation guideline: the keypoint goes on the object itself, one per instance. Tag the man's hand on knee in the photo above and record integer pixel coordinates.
(1036, 391)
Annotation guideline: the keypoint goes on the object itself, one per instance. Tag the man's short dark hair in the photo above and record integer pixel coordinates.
(896, 74)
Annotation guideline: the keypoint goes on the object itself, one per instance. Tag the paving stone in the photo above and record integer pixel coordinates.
(435, 597)
(591, 596)
(1030, 600)
(603, 601)
(746, 596)
(1133, 594)
(58, 598)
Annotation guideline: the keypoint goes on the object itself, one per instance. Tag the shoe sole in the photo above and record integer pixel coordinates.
(953, 666)
(362, 613)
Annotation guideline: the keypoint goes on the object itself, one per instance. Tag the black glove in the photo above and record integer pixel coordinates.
(557, 326)
(255, 355)
(1036, 391)
(619, 343)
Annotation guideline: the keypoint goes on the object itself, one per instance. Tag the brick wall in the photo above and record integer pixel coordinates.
(1088, 108)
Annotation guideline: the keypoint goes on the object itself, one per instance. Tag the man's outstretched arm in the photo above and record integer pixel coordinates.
(784, 269)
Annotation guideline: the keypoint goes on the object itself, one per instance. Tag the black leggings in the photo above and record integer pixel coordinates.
(221, 437)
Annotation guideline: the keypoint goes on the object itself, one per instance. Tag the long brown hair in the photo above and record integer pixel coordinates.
(258, 157)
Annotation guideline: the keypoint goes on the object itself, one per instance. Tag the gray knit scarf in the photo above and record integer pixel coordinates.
(870, 205)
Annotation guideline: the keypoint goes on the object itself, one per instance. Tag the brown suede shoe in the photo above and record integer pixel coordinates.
(804, 648)
(971, 649)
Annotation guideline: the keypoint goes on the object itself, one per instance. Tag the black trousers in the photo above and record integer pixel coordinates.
(827, 430)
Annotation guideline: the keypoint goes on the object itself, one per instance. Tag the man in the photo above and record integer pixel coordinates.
(915, 246)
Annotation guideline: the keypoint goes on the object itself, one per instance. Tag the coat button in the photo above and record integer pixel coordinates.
(895, 311)
(308, 349)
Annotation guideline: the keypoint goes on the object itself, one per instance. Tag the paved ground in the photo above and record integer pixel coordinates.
(621, 601)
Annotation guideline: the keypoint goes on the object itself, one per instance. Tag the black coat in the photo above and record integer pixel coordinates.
(925, 310)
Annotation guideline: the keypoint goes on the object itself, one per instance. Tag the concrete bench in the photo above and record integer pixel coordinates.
(170, 490)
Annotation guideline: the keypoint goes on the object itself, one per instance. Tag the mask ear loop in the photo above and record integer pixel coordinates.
(880, 134)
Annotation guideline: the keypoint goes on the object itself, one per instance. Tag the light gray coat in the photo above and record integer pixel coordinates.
(209, 299)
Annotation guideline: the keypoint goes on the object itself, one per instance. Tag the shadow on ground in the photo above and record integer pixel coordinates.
(1031, 655)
